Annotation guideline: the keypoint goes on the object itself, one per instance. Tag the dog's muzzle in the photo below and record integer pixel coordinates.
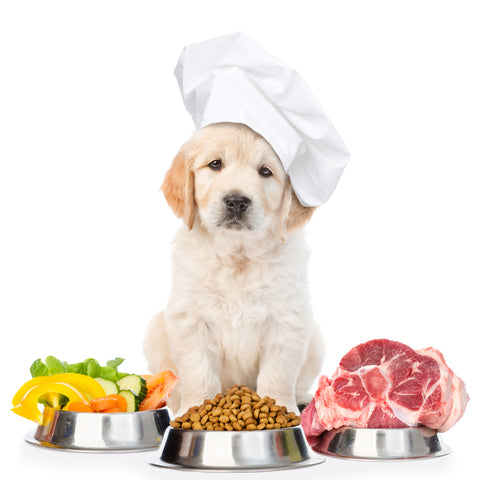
(236, 212)
(237, 204)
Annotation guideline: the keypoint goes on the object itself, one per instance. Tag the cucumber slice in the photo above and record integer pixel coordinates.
(132, 400)
(109, 387)
(135, 383)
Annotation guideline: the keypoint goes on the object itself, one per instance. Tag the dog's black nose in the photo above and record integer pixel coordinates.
(236, 203)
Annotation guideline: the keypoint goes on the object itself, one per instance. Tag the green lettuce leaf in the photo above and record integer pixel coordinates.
(92, 368)
(75, 367)
(115, 362)
(54, 365)
(108, 373)
(38, 369)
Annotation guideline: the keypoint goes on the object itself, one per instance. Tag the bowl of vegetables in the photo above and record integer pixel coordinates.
(89, 407)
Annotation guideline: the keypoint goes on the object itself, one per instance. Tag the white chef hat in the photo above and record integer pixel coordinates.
(233, 79)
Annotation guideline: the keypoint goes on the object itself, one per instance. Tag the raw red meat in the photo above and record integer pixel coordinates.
(386, 384)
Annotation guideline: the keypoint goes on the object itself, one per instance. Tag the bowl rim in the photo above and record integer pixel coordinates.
(297, 427)
(59, 411)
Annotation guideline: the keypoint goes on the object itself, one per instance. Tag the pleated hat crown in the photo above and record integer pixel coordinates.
(233, 79)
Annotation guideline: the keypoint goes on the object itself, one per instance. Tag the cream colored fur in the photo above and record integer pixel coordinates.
(239, 309)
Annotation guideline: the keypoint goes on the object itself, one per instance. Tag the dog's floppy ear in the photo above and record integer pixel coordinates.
(293, 214)
(178, 188)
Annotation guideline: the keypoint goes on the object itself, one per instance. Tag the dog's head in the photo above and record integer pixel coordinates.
(228, 177)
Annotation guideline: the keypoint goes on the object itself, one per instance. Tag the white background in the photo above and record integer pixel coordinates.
(91, 117)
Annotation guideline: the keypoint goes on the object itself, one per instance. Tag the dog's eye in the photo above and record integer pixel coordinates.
(265, 172)
(215, 164)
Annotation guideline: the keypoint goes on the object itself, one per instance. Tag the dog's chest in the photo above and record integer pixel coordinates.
(239, 288)
(235, 302)
(240, 301)
(241, 291)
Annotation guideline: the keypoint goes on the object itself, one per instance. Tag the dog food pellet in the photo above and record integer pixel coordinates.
(239, 409)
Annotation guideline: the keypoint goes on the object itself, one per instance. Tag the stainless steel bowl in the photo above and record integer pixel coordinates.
(227, 451)
(381, 443)
(101, 432)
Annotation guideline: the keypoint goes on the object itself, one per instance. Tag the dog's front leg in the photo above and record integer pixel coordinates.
(281, 357)
(196, 357)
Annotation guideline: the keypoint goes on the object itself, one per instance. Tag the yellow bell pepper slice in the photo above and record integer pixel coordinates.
(28, 407)
(75, 386)
(88, 386)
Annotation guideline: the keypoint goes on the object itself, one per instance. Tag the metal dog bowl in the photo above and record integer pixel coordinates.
(381, 443)
(227, 451)
(101, 432)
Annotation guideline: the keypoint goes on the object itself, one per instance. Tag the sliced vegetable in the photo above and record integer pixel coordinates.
(135, 383)
(53, 400)
(109, 404)
(28, 406)
(161, 386)
(88, 386)
(131, 399)
(121, 402)
(103, 403)
(80, 407)
(162, 377)
(109, 386)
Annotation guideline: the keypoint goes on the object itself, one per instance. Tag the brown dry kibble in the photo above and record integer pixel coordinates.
(195, 417)
(216, 412)
(238, 409)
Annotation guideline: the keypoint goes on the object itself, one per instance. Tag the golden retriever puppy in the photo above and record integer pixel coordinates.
(239, 310)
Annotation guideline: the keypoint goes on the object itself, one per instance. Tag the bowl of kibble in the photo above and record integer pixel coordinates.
(236, 430)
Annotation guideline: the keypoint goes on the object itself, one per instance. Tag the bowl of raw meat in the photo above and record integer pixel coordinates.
(385, 400)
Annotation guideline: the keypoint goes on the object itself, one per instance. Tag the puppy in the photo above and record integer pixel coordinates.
(239, 310)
